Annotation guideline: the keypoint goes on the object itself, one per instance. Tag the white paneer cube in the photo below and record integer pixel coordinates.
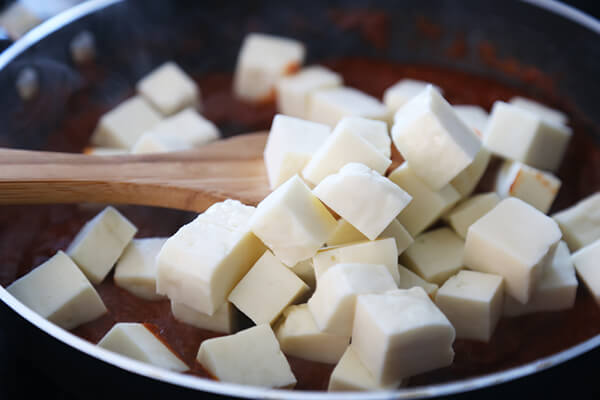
(122, 126)
(249, 357)
(580, 223)
(467, 180)
(363, 197)
(401, 333)
(201, 263)
(343, 146)
(434, 141)
(305, 271)
(136, 269)
(290, 145)
(529, 184)
(461, 217)
(373, 131)
(100, 243)
(555, 291)
(329, 106)
(514, 240)
(549, 114)
(59, 292)
(435, 255)
(427, 205)
(345, 233)
(267, 289)
(586, 265)
(350, 375)
(300, 337)
(475, 117)
(332, 304)
(17, 18)
(409, 279)
(293, 92)
(224, 320)
(292, 222)
(472, 301)
(137, 341)
(403, 91)
(169, 89)
(262, 60)
(381, 251)
(521, 135)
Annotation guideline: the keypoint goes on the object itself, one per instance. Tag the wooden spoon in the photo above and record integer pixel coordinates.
(190, 180)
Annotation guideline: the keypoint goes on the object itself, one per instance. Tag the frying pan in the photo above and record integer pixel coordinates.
(547, 38)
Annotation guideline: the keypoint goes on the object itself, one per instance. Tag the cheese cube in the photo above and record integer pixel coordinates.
(292, 222)
(224, 320)
(373, 131)
(343, 146)
(58, 291)
(300, 337)
(136, 341)
(201, 263)
(586, 265)
(521, 135)
(403, 91)
(18, 18)
(401, 333)
(100, 243)
(461, 217)
(249, 357)
(136, 269)
(122, 126)
(475, 117)
(513, 240)
(169, 89)
(345, 233)
(266, 290)
(555, 291)
(350, 375)
(305, 271)
(381, 251)
(434, 141)
(290, 145)
(409, 279)
(531, 185)
(549, 114)
(293, 91)
(467, 180)
(435, 255)
(369, 201)
(332, 304)
(262, 60)
(328, 106)
(580, 223)
(472, 301)
(427, 205)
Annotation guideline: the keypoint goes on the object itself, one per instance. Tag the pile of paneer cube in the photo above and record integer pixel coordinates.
(338, 264)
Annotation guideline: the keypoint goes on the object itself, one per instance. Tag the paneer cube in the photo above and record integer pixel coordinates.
(201, 263)
(401, 333)
(363, 197)
(292, 222)
(521, 135)
(136, 269)
(543, 111)
(580, 223)
(409, 279)
(513, 240)
(224, 320)
(58, 291)
(249, 357)
(435, 255)
(350, 375)
(434, 141)
(300, 337)
(305, 271)
(373, 131)
(137, 341)
(332, 305)
(345, 233)
(461, 217)
(529, 184)
(403, 91)
(475, 117)
(262, 60)
(472, 301)
(290, 145)
(100, 243)
(467, 180)
(586, 265)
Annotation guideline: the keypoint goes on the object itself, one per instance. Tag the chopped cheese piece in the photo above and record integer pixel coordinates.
(467, 180)
(136, 269)
(549, 114)
(201, 263)
(586, 265)
(249, 357)
(461, 217)
(514, 240)
(472, 301)
(292, 222)
(345, 233)
(100, 243)
(17, 19)
(434, 141)
(373, 131)
(409, 279)
(369, 201)
(401, 333)
(58, 291)
(262, 60)
(403, 91)
(136, 341)
(580, 223)
(224, 320)
(332, 304)
(435, 255)
(474, 116)
(83, 47)
(305, 271)
(350, 375)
